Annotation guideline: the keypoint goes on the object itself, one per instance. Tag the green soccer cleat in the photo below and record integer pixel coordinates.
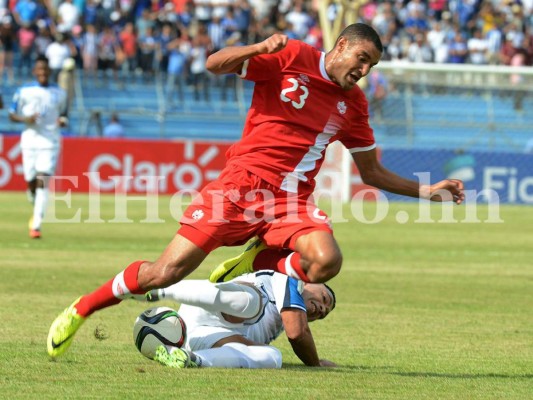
(237, 266)
(63, 330)
(177, 358)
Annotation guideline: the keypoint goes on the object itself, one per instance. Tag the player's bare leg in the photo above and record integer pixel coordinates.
(179, 259)
(318, 255)
(40, 198)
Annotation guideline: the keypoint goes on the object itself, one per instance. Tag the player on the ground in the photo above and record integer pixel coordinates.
(303, 100)
(42, 106)
(231, 324)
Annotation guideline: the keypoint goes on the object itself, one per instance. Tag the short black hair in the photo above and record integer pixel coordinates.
(42, 58)
(333, 298)
(359, 31)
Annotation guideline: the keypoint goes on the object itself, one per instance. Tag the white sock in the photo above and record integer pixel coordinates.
(238, 355)
(39, 207)
(227, 297)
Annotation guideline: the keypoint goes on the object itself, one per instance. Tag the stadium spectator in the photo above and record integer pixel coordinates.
(216, 33)
(114, 128)
(229, 81)
(478, 48)
(419, 50)
(436, 39)
(148, 48)
(243, 18)
(26, 12)
(7, 46)
(230, 325)
(89, 51)
(385, 23)
(26, 38)
(163, 39)
(458, 49)
(57, 52)
(201, 47)
(376, 93)
(314, 37)
(43, 38)
(77, 37)
(202, 11)
(300, 20)
(179, 51)
(42, 107)
(128, 43)
(108, 52)
(289, 125)
(67, 16)
(416, 23)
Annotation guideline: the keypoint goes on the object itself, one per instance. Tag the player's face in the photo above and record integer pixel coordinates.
(41, 72)
(318, 301)
(350, 61)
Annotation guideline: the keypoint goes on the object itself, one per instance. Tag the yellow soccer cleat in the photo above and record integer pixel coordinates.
(236, 266)
(176, 358)
(63, 330)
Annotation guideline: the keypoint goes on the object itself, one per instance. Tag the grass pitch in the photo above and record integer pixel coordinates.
(425, 310)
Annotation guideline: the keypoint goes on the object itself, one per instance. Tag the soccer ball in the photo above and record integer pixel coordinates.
(158, 326)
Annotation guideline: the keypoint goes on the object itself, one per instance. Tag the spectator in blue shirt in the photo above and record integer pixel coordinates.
(114, 129)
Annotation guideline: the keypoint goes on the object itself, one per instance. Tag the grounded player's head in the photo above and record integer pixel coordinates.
(41, 70)
(319, 300)
(357, 49)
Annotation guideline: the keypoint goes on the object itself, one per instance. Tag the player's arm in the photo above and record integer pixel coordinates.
(230, 59)
(14, 117)
(375, 174)
(301, 338)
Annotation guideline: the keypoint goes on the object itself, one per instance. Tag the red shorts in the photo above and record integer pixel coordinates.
(239, 205)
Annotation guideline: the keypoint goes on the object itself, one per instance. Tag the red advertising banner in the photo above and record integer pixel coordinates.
(164, 167)
(132, 166)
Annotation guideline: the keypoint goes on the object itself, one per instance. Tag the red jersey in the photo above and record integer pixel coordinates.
(296, 112)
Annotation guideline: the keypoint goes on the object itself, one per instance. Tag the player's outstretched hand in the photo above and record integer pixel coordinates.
(274, 43)
(327, 363)
(448, 190)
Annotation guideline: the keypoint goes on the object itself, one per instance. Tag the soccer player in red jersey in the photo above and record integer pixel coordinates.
(303, 100)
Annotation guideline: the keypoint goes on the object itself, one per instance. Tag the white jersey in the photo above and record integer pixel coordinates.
(47, 101)
(278, 291)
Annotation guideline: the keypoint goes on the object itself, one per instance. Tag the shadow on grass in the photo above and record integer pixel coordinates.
(387, 370)
(461, 376)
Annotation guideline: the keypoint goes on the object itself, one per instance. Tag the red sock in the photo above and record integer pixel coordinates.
(111, 292)
(285, 261)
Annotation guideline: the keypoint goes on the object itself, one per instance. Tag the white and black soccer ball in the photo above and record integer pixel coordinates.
(158, 326)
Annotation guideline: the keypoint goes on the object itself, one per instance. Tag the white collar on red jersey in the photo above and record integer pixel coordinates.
(323, 66)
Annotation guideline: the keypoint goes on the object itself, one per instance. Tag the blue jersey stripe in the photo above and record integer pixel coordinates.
(293, 298)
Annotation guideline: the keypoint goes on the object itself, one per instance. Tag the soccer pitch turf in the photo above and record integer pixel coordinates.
(425, 310)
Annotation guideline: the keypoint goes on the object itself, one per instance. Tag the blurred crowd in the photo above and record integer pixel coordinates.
(142, 38)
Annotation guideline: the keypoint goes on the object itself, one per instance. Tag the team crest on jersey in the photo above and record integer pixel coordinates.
(303, 78)
(197, 214)
(341, 106)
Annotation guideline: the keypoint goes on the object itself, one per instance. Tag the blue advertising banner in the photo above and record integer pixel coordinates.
(487, 175)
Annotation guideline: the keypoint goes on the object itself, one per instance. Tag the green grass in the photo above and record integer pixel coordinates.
(425, 311)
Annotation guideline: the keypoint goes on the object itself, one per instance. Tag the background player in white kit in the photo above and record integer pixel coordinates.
(42, 106)
(231, 324)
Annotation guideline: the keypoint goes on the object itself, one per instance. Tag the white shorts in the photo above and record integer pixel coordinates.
(204, 337)
(42, 161)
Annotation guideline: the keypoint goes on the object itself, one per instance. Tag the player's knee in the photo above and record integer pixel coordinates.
(274, 359)
(325, 266)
